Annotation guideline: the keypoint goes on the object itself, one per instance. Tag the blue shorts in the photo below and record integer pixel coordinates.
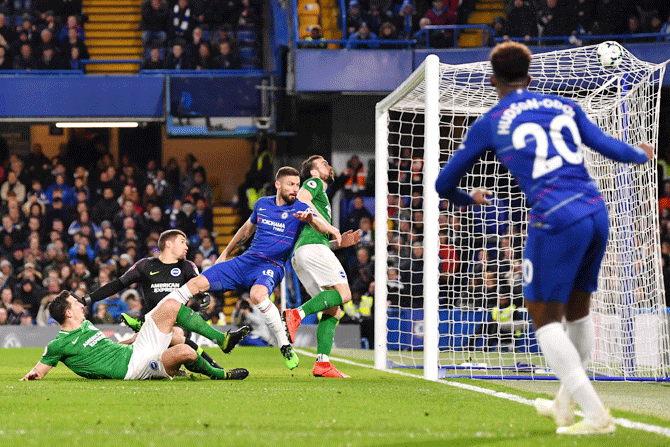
(242, 272)
(555, 264)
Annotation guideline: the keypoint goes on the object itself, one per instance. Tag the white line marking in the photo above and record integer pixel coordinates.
(663, 431)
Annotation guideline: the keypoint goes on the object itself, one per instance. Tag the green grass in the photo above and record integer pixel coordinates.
(275, 407)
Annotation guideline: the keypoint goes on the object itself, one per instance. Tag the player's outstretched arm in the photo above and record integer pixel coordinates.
(38, 372)
(102, 292)
(245, 233)
(319, 224)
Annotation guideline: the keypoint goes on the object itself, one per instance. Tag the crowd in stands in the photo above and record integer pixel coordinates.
(77, 226)
(201, 35)
(527, 19)
(370, 23)
(41, 35)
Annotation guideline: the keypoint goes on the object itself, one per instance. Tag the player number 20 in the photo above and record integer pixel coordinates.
(543, 165)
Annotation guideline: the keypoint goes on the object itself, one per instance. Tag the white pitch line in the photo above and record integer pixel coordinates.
(663, 431)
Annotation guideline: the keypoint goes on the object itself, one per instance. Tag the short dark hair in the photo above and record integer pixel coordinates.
(59, 305)
(510, 61)
(307, 166)
(169, 235)
(286, 171)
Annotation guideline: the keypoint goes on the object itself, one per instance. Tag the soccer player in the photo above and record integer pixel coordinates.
(318, 269)
(276, 222)
(539, 138)
(90, 354)
(158, 276)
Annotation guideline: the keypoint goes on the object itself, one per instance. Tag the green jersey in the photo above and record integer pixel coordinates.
(89, 353)
(320, 201)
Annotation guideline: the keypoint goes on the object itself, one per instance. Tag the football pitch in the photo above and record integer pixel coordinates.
(278, 407)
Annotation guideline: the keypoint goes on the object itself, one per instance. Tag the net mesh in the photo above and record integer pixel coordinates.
(481, 247)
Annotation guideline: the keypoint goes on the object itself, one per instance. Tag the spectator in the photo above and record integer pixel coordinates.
(177, 60)
(128, 217)
(442, 13)
(420, 36)
(25, 60)
(376, 18)
(553, 20)
(154, 23)
(246, 313)
(633, 25)
(356, 214)
(363, 271)
(68, 193)
(5, 63)
(115, 306)
(655, 25)
(72, 23)
(225, 60)
(247, 17)
(316, 37)
(3, 316)
(584, 16)
(607, 18)
(37, 164)
(50, 60)
(521, 21)
(182, 20)
(499, 27)
(196, 40)
(101, 315)
(16, 312)
(407, 20)
(203, 60)
(199, 180)
(202, 216)
(156, 222)
(176, 217)
(395, 288)
(665, 29)
(355, 17)
(6, 30)
(363, 38)
(73, 41)
(388, 32)
(107, 207)
(367, 235)
(30, 294)
(352, 179)
(13, 184)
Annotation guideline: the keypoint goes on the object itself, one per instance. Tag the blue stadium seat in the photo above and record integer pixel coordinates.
(248, 54)
(246, 36)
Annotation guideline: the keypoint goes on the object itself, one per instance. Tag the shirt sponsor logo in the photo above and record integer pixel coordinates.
(94, 340)
(164, 287)
(277, 226)
(175, 271)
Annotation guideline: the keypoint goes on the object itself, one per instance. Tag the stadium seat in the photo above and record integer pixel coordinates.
(305, 21)
(309, 9)
(246, 36)
(184, 109)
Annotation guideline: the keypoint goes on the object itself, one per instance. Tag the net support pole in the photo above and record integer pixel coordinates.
(431, 201)
(381, 236)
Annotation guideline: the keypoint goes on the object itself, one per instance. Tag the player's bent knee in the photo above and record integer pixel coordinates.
(178, 336)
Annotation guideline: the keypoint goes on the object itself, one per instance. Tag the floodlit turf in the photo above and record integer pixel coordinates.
(273, 407)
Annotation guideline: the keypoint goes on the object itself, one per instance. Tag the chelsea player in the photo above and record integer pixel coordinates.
(539, 138)
(276, 222)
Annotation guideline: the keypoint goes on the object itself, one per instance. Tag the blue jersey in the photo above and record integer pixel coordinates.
(276, 229)
(539, 139)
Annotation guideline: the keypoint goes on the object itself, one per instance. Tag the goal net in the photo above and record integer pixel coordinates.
(443, 270)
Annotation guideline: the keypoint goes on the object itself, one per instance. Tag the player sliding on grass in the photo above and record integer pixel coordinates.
(318, 269)
(89, 353)
(539, 140)
(158, 276)
(277, 222)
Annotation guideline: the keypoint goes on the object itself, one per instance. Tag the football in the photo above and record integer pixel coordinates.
(609, 54)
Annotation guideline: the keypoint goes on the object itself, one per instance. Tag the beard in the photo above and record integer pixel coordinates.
(330, 178)
(289, 199)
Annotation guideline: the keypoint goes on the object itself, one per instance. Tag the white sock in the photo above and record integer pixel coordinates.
(322, 358)
(301, 312)
(273, 320)
(182, 294)
(580, 333)
(563, 359)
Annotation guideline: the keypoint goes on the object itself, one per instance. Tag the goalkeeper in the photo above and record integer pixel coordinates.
(90, 354)
(158, 276)
(539, 139)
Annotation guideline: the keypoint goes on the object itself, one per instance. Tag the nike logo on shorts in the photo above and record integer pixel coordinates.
(154, 273)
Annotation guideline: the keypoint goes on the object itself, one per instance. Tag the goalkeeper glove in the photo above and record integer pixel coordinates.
(203, 300)
(85, 300)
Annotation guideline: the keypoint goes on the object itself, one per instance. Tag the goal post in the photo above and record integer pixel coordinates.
(442, 269)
